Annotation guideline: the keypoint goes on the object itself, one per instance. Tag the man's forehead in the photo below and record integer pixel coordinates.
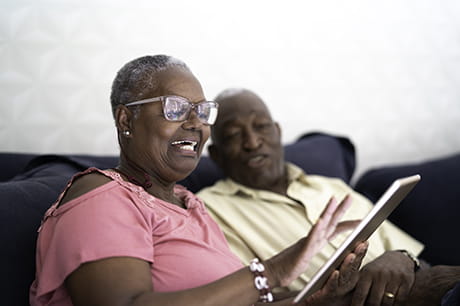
(231, 122)
(237, 119)
(236, 109)
(241, 104)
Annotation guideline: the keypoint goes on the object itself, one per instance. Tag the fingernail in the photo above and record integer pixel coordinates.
(353, 257)
(335, 274)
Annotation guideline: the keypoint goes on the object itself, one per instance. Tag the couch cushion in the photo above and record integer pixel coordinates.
(13, 163)
(452, 297)
(24, 200)
(323, 154)
(430, 213)
(23, 204)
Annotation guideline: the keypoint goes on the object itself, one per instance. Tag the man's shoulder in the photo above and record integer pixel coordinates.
(326, 180)
(222, 187)
(224, 196)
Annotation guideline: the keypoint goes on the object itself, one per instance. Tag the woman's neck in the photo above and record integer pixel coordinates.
(135, 174)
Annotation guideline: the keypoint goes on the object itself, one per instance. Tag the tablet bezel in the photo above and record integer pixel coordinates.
(381, 210)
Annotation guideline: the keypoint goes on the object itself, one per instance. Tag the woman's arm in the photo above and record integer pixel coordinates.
(128, 281)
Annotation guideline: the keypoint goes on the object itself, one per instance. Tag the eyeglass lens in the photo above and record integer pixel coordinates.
(176, 109)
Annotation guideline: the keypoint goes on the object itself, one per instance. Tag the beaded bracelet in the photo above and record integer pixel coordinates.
(261, 281)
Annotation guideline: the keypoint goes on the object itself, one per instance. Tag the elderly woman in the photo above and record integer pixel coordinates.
(131, 236)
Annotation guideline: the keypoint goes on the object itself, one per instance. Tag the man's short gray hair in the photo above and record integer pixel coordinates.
(229, 92)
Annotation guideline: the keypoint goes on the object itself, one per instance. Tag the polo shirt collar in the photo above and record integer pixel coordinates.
(230, 187)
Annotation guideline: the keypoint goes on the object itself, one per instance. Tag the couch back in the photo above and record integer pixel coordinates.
(430, 213)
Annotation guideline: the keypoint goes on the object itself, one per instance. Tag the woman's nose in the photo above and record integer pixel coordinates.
(193, 121)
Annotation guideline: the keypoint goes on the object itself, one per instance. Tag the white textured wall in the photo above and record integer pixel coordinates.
(384, 73)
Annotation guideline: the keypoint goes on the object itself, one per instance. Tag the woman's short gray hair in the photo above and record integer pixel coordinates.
(137, 77)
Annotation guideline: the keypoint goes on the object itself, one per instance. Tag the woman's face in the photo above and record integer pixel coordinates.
(167, 150)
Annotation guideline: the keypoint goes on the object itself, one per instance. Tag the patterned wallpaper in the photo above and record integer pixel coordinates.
(384, 73)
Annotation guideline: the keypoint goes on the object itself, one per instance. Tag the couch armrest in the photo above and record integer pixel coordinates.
(430, 213)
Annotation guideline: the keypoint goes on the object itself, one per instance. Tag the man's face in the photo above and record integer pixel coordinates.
(247, 142)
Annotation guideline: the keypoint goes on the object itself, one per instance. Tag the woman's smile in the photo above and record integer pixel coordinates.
(187, 147)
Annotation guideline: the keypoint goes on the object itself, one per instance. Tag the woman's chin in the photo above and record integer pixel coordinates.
(184, 169)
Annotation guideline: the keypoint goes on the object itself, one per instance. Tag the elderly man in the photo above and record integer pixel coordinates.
(266, 203)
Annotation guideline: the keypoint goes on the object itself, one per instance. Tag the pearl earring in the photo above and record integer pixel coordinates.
(126, 133)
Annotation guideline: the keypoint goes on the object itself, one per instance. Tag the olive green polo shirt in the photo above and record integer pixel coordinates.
(260, 223)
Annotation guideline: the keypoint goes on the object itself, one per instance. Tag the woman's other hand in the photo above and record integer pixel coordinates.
(286, 266)
(339, 287)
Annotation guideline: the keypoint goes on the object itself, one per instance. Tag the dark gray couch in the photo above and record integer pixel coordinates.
(30, 183)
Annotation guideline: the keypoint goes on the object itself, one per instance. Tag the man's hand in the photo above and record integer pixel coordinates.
(385, 281)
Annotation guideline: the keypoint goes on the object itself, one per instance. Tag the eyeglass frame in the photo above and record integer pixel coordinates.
(163, 99)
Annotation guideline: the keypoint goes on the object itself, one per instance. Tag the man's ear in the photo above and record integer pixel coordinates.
(278, 127)
(214, 154)
(123, 119)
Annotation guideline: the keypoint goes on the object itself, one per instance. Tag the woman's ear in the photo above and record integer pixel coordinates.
(123, 120)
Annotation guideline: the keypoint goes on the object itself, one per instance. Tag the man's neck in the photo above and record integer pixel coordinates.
(278, 186)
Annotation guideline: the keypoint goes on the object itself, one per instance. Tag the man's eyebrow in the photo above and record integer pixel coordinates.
(231, 122)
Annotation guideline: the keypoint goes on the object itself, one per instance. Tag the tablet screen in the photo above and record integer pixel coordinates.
(381, 210)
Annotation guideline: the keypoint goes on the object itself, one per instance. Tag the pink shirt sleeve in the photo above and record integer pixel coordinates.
(99, 224)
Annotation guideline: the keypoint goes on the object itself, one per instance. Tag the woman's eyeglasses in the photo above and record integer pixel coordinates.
(178, 109)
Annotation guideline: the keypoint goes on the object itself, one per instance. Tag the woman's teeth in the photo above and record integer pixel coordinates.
(186, 145)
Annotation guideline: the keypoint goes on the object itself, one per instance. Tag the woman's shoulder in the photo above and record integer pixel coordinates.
(85, 182)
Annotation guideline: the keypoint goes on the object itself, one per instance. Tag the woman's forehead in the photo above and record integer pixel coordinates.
(181, 82)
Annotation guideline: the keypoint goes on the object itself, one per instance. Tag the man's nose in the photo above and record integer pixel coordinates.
(251, 140)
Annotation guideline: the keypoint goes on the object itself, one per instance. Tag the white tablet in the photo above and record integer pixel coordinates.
(381, 210)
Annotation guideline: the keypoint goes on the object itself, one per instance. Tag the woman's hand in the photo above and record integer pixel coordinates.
(338, 289)
(286, 266)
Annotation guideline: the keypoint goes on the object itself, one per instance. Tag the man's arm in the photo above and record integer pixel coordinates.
(432, 283)
(426, 286)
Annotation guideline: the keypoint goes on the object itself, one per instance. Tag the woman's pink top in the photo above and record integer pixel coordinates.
(185, 247)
